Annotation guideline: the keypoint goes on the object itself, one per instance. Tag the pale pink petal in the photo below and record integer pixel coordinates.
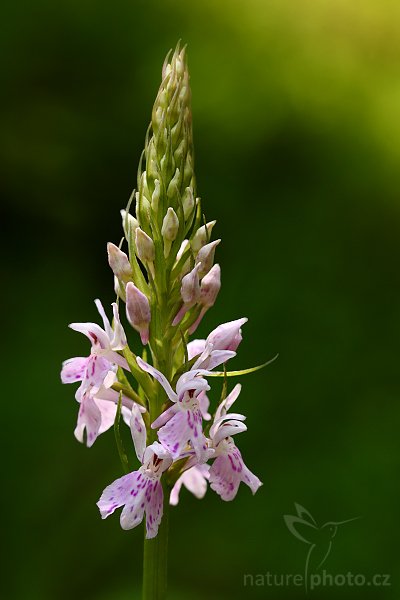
(218, 422)
(227, 336)
(106, 322)
(250, 479)
(174, 495)
(204, 404)
(228, 429)
(108, 411)
(165, 416)
(73, 369)
(138, 431)
(154, 500)
(194, 479)
(191, 381)
(176, 433)
(225, 476)
(97, 369)
(159, 376)
(118, 339)
(195, 347)
(93, 331)
(225, 405)
(132, 513)
(89, 418)
(116, 494)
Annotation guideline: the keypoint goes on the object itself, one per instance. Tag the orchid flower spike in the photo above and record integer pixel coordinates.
(139, 492)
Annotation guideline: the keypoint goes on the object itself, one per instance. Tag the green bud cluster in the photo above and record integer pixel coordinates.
(167, 235)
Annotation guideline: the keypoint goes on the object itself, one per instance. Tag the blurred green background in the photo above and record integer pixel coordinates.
(297, 131)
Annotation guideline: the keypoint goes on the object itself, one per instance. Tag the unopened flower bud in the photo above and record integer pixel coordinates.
(174, 185)
(138, 311)
(227, 336)
(190, 288)
(145, 249)
(119, 262)
(186, 267)
(129, 224)
(202, 236)
(188, 202)
(210, 286)
(190, 292)
(169, 229)
(155, 198)
(206, 257)
(209, 289)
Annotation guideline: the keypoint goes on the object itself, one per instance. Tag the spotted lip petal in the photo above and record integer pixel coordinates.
(139, 492)
(228, 471)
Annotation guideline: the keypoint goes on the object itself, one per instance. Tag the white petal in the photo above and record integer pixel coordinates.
(195, 347)
(116, 494)
(93, 331)
(138, 431)
(73, 369)
(159, 376)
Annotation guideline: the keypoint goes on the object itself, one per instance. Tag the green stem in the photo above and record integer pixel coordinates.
(155, 559)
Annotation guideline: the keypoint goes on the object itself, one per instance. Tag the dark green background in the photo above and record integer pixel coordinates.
(297, 133)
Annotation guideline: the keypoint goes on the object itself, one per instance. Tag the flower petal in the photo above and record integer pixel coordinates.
(227, 336)
(115, 495)
(225, 405)
(73, 369)
(118, 338)
(138, 431)
(225, 476)
(159, 376)
(93, 331)
(194, 479)
(250, 479)
(154, 500)
(106, 322)
(204, 404)
(165, 416)
(89, 418)
(195, 347)
(176, 433)
(108, 411)
(132, 513)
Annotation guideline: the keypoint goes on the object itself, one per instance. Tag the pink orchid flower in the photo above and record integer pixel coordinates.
(139, 492)
(228, 469)
(96, 413)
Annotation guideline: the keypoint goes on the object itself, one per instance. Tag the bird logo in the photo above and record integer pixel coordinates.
(318, 537)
